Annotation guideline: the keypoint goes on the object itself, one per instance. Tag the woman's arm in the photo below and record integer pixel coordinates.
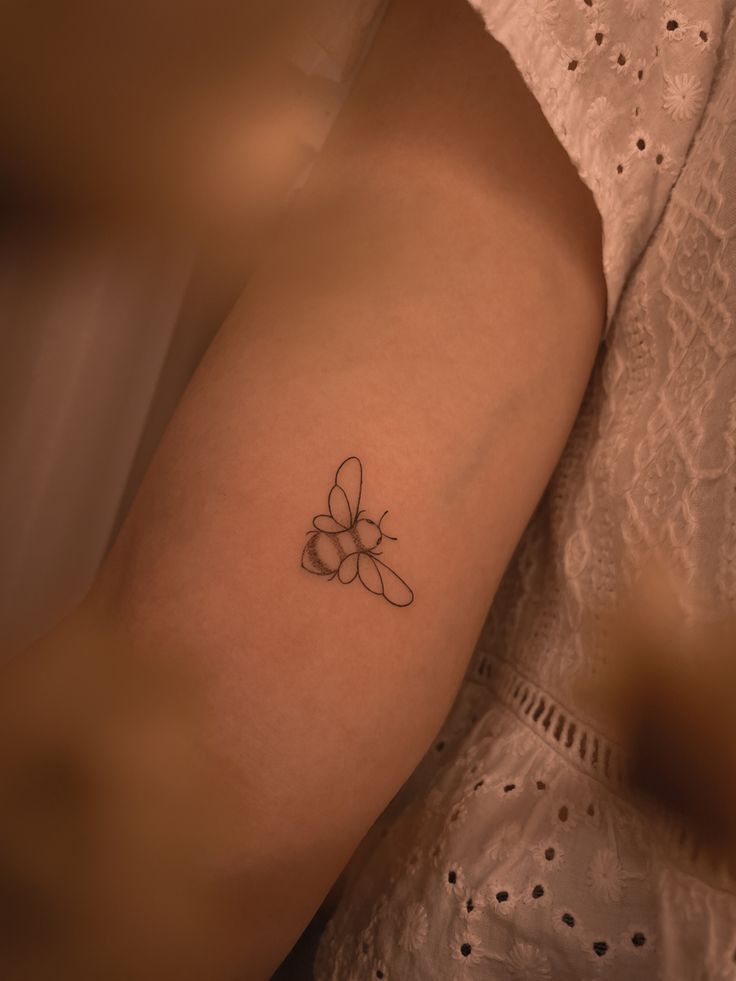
(432, 306)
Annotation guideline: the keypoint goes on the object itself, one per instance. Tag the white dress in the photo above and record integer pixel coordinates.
(510, 853)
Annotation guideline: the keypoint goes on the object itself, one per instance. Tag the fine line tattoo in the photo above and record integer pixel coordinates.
(344, 544)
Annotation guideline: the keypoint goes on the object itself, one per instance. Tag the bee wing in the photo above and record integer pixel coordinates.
(348, 568)
(325, 522)
(344, 499)
(378, 578)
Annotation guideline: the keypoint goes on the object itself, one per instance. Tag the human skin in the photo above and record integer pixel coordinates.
(146, 115)
(433, 304)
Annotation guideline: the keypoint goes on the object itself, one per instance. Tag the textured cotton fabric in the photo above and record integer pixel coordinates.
(511, 853)
(623, 83)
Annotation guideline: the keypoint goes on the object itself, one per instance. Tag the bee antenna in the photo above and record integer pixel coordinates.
(383, 533)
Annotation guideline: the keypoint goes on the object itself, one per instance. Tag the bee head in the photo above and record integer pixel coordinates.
(370, 533)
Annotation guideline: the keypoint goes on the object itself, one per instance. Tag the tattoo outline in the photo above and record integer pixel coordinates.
(343, 544)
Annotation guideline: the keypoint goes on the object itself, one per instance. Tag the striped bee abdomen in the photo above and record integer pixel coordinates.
(325, 550)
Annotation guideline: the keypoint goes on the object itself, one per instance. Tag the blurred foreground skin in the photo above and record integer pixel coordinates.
(111, 816)
(669, 695)
(127, 131)
(179, 120)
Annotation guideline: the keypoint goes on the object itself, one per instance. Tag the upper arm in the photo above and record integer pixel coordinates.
(433, 308)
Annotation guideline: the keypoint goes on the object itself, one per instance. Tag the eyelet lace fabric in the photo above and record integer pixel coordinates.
(623, 83)
(509, 853)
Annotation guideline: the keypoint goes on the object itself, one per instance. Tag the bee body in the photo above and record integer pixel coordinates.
(342, 544)
(325, 551)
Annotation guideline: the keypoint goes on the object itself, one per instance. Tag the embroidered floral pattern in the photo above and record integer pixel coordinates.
(564, 814)
(414, 930)
(702, 34)
(640, 142)
(600, 117)
(466, 946)
(527, 963)
(455, 880)
(621, 58)
(683, 96)
(674, 25)
(380, 971)
(541, 12)
(549, 854)
(638, 9)
(606, 876)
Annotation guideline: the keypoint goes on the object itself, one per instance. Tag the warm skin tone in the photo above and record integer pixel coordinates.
(434, 306)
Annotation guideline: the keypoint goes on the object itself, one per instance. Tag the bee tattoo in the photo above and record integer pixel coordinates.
(343, 544)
